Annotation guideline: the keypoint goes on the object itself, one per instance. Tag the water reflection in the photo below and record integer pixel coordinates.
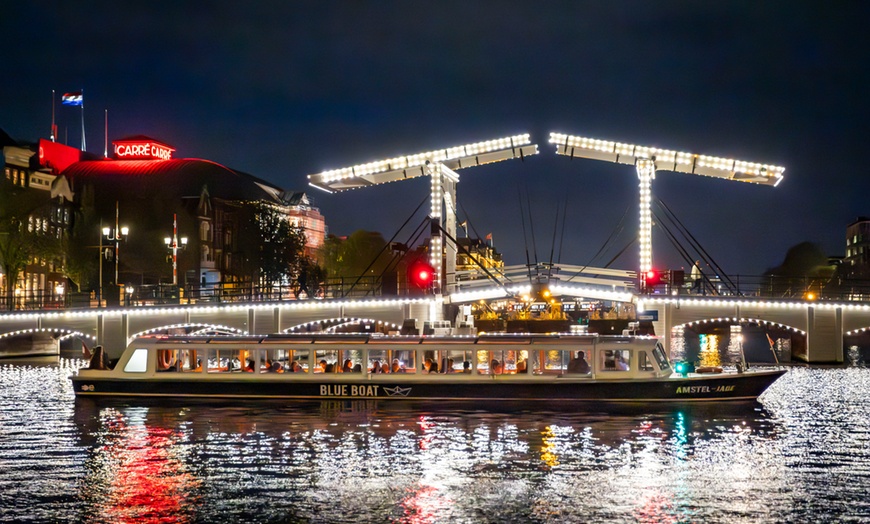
(802, 453)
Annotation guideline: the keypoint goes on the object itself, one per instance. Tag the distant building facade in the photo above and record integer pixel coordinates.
(858, 243)
(44, 212)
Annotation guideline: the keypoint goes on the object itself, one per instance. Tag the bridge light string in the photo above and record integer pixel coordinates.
(420, 159)
(738, 321)
(67, 333)
(195, 309)
(797, 304)
(669, 160)
(206, 327)
(342, 321)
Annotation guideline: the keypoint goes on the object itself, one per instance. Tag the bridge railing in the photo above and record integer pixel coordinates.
(772, 287)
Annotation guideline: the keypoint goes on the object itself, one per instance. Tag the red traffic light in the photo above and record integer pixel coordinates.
(421, 274)
(652, 278)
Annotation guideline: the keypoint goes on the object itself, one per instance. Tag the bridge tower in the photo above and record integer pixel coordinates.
(647, 160)
(440, 166)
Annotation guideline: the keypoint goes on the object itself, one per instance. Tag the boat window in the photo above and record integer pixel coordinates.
(181, 360)
(661, 358)
(390, 361)
(230, 360)
(502, 361)
(550, 361)
(644, 363)
(276, 360)
(138, 362)
(615, 360)
(338, 361)
(458, 361)
(578, 362)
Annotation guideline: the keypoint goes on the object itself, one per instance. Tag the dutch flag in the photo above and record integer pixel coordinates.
(72, 99)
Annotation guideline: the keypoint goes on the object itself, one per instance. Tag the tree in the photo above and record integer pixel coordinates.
(280, 246)
(360, 254)
(804, 268)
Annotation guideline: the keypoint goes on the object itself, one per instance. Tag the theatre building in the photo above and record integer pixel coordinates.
(145, 189)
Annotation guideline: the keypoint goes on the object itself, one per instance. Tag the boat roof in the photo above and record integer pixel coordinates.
(377, 338)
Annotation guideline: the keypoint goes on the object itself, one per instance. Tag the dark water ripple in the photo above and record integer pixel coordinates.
(801, 454)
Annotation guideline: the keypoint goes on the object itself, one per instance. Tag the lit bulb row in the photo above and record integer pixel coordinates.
(332, 329)
(489, 293)
(158, 311)
(342, 320)
(420, 159)
(740, 321)
(602, 294)
(667, 156)
(216, 327)
(645, 173)
(761, 303)
(66, 333)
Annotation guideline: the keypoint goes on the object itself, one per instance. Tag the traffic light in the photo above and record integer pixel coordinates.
(421, 275)
(652, 278)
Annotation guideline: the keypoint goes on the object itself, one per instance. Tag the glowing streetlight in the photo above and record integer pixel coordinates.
(116, 235)
(172, 244)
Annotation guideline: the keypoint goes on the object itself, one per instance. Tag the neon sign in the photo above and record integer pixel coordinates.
(145, 149)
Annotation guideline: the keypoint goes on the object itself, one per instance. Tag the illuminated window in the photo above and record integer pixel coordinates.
(179, 360)
(230, 361)
(338, 361)
(275, 360)
(615, 360)
(138, 362)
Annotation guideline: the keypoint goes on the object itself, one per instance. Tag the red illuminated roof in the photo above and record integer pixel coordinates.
(180, 177)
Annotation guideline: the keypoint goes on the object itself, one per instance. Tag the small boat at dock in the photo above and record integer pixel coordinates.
(512, 367)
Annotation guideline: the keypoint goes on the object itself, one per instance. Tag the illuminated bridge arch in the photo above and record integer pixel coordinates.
(336, 325)
(62, 334)
(740, 321)
(191, 329)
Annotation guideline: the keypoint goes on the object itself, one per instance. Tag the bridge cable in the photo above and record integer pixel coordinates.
(613, 234)
(386, 246)
(481, 266)
(709, 259)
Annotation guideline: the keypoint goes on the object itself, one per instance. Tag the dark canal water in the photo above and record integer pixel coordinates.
(800, 454)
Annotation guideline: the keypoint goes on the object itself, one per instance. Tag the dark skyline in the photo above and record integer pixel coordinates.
(285, 90)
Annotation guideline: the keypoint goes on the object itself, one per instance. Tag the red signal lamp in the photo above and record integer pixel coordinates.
(421, 275)
(652, 278)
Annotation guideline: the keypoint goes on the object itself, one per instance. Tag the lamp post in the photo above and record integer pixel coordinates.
(172, 243)
(116, 235)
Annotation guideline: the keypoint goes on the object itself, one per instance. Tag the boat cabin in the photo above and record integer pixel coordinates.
(353, 357)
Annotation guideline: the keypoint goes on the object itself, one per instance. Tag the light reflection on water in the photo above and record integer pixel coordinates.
(802, 453)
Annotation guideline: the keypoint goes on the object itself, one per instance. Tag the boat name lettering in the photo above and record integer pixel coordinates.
(346, 390)
(704, 389)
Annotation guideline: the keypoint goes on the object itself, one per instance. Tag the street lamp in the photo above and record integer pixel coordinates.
(172, 243)
(116, 235)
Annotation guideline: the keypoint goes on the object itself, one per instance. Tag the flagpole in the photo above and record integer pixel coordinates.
(53, 132)
(106, 136)
(84, 144)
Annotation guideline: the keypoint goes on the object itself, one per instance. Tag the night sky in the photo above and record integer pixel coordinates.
(286, 89)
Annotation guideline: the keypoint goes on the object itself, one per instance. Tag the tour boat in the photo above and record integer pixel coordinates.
(530, 367)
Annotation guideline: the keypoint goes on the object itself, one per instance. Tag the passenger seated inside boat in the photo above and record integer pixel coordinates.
(385, 368)
(277, 367)
(396, 367)
(522, 367)
(321, 368)
(376, 367)
(347, 367)
(496, 368)
(466, 367)
(357, 368)
(579, 365)
(449, 367)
